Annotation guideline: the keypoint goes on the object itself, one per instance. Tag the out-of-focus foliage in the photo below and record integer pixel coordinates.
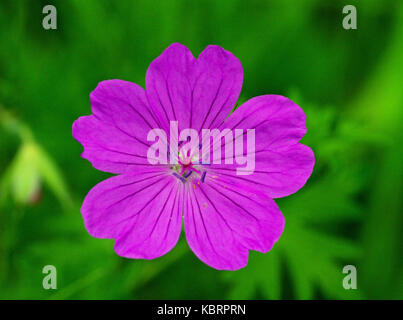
(349, 82)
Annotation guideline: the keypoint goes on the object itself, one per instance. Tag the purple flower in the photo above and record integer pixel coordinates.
(225, 214)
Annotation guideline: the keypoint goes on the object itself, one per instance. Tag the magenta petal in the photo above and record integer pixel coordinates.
(277, 121)
(198, 93)
(278, 173)
(115, 136)
(217, 88)
(169, 82)
(223, 222)
(142, 212)
(107, 148)
(124, 105)
(282, 165)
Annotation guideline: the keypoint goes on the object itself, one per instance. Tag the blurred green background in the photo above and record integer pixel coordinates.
(349, 82)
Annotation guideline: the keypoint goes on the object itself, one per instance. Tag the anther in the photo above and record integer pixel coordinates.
(179, 177)
(203, 176)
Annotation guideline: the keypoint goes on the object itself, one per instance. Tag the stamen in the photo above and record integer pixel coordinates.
(203, 176)
(179, 177)
(195, 170)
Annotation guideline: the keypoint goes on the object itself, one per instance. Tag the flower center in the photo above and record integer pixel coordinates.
(186, 170)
